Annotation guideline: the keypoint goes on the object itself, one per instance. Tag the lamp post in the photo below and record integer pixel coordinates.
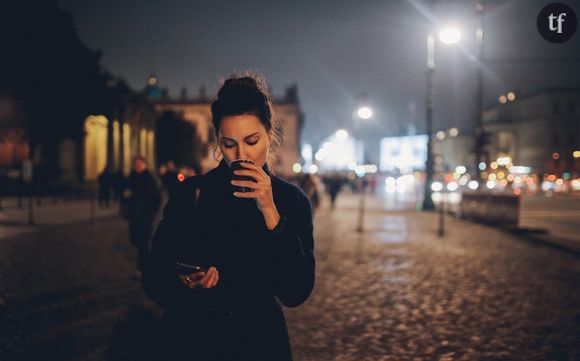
(448, 35)
(480, 7)
(363, 113)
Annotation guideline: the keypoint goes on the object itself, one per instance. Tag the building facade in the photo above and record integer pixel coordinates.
(197, 110)
(540, 130)
(453, 151)
(14, 148)
(112, 143)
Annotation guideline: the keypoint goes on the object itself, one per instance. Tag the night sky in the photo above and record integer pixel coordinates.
(340, 53)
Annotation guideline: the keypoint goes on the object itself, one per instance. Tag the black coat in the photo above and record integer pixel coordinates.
(145, 196)
(241, 318)
(143, 206)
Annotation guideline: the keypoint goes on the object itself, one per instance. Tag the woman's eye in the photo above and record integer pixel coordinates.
(252, 143)
(229, 145)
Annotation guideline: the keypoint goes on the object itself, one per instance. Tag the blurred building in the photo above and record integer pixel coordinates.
(113, 141)
(14, 146)
(540, 130)
(403, 154)
(452, 151)
(75, 156)
(63, 118)
(197, 110)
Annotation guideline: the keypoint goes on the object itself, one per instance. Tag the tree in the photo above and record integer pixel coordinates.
(177, 141)
(58, 79)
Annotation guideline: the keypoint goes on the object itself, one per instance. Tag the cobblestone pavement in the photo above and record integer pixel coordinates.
(393, 292)
(398, 292)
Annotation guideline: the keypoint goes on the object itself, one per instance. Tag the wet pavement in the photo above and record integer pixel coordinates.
(396, 291)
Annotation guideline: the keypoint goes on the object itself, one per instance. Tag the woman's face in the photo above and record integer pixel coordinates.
(244, 137)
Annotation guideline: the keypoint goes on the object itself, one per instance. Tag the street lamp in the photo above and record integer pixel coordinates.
(360, 113)
(341, 134)
(479, 136)
(363, 113)
(448, 35)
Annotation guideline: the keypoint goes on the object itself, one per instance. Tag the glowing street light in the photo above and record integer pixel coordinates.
(364, 113)
(437, 186)
(460, 169)
(473, 185)
(341, 134)
(452, 186)
(449, 35)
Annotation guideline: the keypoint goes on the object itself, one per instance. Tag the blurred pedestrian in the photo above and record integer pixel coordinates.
(169, 178)
(118, 184)
(373, 183)
(255, 248)
(364, 184)
(105, 180)
(310, 185)
(143, 198)
(333, 186)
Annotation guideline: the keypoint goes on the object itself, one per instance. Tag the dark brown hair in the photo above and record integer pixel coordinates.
(242, 94)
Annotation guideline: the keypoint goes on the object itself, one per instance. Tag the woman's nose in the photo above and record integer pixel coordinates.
(240, 152)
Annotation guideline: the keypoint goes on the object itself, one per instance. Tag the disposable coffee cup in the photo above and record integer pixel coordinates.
(237, 165)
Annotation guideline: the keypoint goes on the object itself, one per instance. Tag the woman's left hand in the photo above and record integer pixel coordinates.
(261, 188)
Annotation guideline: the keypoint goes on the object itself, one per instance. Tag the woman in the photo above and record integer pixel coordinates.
(257, 246)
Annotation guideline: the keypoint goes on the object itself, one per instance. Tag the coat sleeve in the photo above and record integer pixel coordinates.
(291, 246)
(159, 278)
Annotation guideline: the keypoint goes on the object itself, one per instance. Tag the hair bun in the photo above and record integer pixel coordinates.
(242, 84)
(241, 95)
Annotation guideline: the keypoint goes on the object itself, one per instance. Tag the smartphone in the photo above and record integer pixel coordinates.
(184, 269)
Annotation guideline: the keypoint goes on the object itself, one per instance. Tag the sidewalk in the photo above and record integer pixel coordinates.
(558, 215)
(398, 291)
(563, 236)
(14, 220)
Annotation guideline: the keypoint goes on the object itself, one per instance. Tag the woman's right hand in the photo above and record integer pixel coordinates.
(207, 279)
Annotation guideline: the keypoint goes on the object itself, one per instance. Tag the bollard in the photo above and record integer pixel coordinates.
(92, 204)
(361, 210)
(441, 231)
(30, 208)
